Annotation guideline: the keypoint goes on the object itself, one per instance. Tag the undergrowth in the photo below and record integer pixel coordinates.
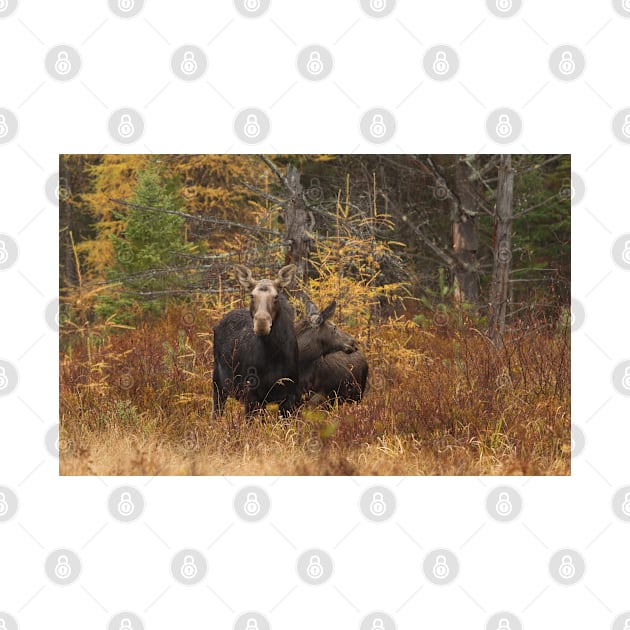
(441, 401)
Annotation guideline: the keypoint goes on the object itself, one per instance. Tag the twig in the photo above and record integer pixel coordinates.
(538, 205)
(277, 172)
(189, 291)
(213, 220)
(263, 194)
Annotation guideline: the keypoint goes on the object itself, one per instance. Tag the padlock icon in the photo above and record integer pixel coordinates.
(378, 5)
(377, 504)
(314, 65)
(504, 126)
(251, 5)
(504, 5)
(625, 254)
(625, 129)
(252, 504)
(440, 568)
(126, 5)
(125, 127)
(251, 380)
(4, 129)
(567, 64)
(4, 254)
(440, 63)
(567, 568)
(125, 624)
(566, 189)
(378, 624)
(189, 64)
(4, 506)
(252, 127)
(625, 381)
(314, 191)
(315, 570)
(252, 624)
(504, 624)
(625, 506)
(126, 506)
(377, 127)
(4, 381)
(62, 65)
(504, 505)
(62, 569)
(189, 568)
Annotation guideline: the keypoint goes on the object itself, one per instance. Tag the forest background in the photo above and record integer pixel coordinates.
(452, 272)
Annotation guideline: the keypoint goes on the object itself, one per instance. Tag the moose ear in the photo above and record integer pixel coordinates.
(329, 311)
(312, 314)
(285, 276)
(244, 276)
(311, 309)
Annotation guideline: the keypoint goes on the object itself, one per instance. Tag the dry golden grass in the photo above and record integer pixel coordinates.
(442, 401)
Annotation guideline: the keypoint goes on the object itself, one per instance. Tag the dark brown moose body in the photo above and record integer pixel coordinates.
(255, 350)
(330, 362)
(340, 376)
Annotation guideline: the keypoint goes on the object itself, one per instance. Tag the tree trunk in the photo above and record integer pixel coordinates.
(504, 214)
(297, 235)
(465, 236)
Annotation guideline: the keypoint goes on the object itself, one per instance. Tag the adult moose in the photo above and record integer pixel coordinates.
(330, 362)
(255, 349)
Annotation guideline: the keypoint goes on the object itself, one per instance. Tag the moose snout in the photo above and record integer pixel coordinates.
(350, 347)
(262, 325)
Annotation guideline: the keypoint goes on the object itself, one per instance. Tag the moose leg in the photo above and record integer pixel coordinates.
(252, 405)
(288, 405)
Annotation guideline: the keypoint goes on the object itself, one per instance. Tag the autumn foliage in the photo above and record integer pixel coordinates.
(440, 401)
(141, 291)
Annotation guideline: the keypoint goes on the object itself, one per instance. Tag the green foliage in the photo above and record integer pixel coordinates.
(543, 229)
(541, 239)
(151, 244)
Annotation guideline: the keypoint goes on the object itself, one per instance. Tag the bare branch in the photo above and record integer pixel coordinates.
(440, 180)
(263, 194)
(185, 215)
(189, 291)
(277, 172)
(449, 260)
(552, 158)
(521, 213)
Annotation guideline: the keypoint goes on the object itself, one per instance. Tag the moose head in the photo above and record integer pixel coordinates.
(318, 336)
(265, 295)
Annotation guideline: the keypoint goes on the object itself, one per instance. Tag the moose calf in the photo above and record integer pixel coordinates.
(330, 362)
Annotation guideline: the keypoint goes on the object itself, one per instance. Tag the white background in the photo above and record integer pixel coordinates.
(251, 62)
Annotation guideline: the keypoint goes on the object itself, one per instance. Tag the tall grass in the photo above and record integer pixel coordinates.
(441, 401)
